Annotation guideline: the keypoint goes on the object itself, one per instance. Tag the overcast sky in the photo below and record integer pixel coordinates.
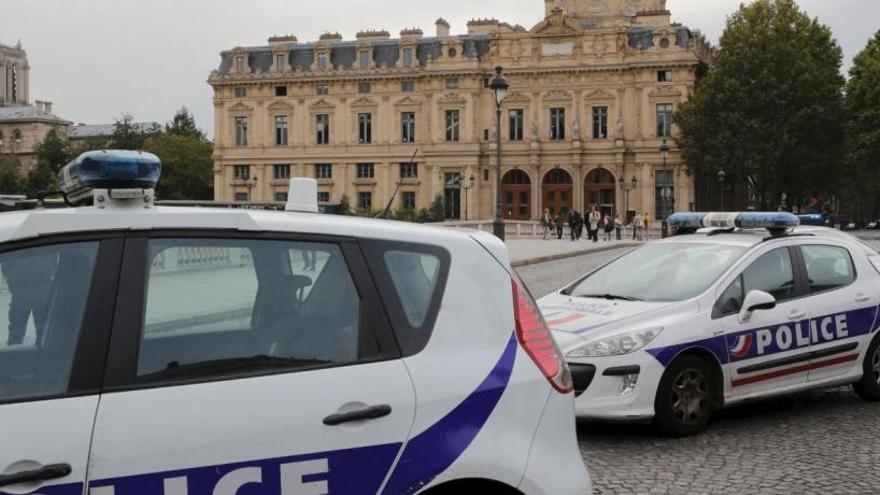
(96, 59)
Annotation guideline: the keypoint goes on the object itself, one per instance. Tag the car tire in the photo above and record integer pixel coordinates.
(685, 397)
(869, 386)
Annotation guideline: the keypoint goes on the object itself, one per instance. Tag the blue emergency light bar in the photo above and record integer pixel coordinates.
(773, 221)
(812, 219)
(109, 169)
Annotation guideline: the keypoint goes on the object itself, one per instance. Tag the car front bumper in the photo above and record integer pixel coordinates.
(617, 388)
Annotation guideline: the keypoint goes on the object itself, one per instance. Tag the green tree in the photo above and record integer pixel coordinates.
(863, 128)
(437, 211)
(187, 167)
(54, 151)
(10, 175)
(344, 205)
(184, 124)
(127, 135)
(771, 110)
(41, 179)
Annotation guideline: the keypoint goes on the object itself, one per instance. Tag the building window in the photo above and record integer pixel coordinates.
(364, 60)
(365, 200)
(664, 120)
(407, 86)
(239, 64)
(409, 170)
(364, 88)
(453, 126)
(323, 197)
(280, 90)
(322, 128)
(281, 172)
(485, 175)
(557, 124)
(664, 197)
(407, 57)
(279, 62)
(408, 200)
(241, 92)
(242, 172)
(408, 127)
(664, 76)
(322, 89)
(365, 171)
(451, 83)
(323, 171)
(281, 130)
(600, 122)
(515, 122)
(365, 128)
(280, 196)
(241, 196)
(322, 61)
(241, 128)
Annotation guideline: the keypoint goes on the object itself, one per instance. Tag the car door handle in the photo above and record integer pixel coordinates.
(797, 315)
(862, 298)
(373, 412)
(45, 473)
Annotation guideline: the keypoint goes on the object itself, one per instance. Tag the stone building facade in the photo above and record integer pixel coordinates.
(22, 125)
(593, 88)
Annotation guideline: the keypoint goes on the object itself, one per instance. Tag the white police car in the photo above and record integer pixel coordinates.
(750, 307)
(152, 350)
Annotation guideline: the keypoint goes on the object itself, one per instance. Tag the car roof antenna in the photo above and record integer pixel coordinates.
(387, 209)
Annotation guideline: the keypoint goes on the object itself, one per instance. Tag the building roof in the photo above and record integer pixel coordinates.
(29, 113)
(83, 131)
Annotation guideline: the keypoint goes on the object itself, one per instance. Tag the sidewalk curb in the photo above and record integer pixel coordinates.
(572, 254)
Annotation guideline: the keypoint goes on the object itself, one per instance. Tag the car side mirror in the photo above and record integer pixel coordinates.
(756, 300)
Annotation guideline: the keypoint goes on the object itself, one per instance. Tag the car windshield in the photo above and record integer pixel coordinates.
(662, 272)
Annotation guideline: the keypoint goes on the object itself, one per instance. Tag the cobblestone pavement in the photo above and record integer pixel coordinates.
(824, 442)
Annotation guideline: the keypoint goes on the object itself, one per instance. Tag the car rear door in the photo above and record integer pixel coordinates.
(56, 306)
(263, 361)
(765, 352)
(842, 307)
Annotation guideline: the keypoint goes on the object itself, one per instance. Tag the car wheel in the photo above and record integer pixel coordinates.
(684, 402)
(869, 386)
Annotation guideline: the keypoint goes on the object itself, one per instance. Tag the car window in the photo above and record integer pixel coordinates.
(772, 273)
(43, 296)
(828, 267)
(415, 277)
(216, 307)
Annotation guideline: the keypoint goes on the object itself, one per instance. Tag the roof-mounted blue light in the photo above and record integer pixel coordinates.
(691, 222)
(771, 221)
(812, 219)
(111, 170)
(686, 220)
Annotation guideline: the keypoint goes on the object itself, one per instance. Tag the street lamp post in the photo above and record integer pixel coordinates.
(499, 86)
(466, 189)
(721, 176)
(664, 152)
(627, 187)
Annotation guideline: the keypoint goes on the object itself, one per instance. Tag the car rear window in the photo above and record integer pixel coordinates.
(415, 277)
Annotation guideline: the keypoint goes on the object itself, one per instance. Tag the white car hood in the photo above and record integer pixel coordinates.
(574, 319)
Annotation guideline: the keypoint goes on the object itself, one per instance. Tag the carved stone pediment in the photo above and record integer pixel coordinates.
(557, 95)
(556, 24)
(241, 107)
(409, 101)
(363, 102)
(280, 106)
(599, 94)
(665, 92)
(453, 98)
(322, 104)
(517, 98)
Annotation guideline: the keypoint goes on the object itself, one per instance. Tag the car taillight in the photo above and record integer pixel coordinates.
(535, 337)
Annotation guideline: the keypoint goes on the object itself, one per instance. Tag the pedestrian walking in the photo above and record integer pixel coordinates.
(560, 226)
(547, 223)
(646, 224)
(594, 219)
(618, 227)
(638, 224)
(580, 223)
(573, 224)
(609, 228)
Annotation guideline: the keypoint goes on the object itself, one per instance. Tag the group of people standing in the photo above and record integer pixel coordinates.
(594, 222)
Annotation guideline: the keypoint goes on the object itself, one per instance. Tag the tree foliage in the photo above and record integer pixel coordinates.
(41, 179)
(10, 171)
(184, 124)
(863, 127)
(54, 151)
(128, 135)
(771, 110)
(187, 166)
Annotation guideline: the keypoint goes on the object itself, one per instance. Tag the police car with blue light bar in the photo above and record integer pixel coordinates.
(198, 351)
(734, 307)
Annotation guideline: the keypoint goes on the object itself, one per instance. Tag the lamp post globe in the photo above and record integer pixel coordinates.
(499, 86)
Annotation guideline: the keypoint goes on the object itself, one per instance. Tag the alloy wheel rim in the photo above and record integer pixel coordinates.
(875, 364)
(690, 396)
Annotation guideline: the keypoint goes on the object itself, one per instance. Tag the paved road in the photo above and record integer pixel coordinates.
(814, 443)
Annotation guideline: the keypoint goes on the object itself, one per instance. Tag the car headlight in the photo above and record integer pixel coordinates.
(617, 345)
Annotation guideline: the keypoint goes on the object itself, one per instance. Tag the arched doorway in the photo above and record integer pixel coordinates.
(557, 191)
(516, 189)
(600, 190)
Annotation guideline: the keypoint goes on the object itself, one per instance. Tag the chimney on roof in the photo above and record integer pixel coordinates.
(442, 28)
(281, 40)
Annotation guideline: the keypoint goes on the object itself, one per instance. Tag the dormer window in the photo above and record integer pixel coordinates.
(407, 57)
(323, 58)
(364, 60)
(279, 62)
(239, 64)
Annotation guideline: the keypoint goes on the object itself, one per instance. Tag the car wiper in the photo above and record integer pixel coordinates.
(228, 366)
(610, 297)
